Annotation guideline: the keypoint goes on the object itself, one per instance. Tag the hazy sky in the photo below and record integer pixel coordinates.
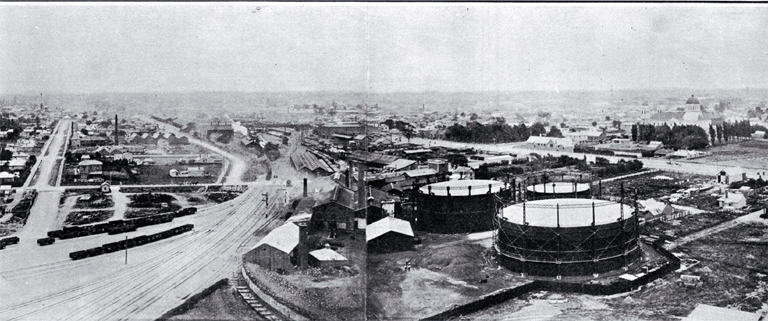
(90, 48)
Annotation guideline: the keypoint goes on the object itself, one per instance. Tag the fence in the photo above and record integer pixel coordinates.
(498, 297)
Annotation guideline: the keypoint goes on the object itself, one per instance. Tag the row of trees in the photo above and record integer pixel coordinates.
(498, 132)
(675, 137)
(692, 136)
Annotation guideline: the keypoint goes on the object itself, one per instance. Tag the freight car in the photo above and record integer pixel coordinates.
(46, 241)
(10, 240)
(129, 243)
(119, 226)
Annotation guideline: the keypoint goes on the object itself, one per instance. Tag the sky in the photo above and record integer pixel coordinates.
(270, 47)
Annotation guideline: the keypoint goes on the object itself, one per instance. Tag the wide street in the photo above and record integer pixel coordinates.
(42, 283)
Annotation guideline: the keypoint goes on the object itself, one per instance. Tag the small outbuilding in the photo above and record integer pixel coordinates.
(326, 258)
(731, 175)
(389, 234)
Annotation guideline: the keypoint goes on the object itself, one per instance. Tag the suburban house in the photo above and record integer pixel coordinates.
(732, 201)
(549, 144)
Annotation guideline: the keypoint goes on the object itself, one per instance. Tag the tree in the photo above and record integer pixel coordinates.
(616, 123)
(463, 114)
(6, 155)
(563, 125)
(634, 132)
(594, 123)
(473, 116)
(84, 131)
(719, 130)
(607, 118)
(554, 132)
(408, 133)
(538, 129)
(712, 135)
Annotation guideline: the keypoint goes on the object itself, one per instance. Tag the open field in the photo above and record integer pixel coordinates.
(159, 174)
(748, 153)
(87, 217)
(446, 270)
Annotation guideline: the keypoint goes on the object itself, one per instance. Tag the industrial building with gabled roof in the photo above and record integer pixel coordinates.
(281, 249)
(389, 234)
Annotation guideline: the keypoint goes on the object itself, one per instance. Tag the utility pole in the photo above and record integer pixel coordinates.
(126, 249)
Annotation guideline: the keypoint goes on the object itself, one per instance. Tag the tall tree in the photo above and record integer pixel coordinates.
(712, 135)
(634, 132)
(719, 129)
(538, 129)
(555, 132)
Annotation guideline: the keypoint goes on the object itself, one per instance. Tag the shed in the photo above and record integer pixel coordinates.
(401, 165)
(389, 234)
(278, 249)
(326, 258)
(731, 175)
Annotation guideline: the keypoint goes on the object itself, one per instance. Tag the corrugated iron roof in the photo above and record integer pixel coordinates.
(327, 255)
(385, 225)
(284, 238)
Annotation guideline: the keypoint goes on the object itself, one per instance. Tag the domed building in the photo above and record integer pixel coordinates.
(692, 113)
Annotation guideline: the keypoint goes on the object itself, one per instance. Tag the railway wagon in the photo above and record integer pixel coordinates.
(46, 241)
(10, 240)
(121, 229)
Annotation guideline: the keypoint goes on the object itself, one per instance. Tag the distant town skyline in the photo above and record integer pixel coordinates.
(273, 47)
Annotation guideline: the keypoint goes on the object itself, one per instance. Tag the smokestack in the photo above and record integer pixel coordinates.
(302, 248)
(361, 185)
(305, 187)
(348, 178)
(117, 138)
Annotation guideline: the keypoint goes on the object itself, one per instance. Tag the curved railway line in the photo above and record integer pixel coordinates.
(167, 272)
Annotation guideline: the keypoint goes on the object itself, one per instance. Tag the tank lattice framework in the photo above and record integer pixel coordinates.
(567, 251)
(464, 209)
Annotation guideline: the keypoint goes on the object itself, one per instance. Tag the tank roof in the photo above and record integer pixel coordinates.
(559, 188)
(461, 187)
(574, 212)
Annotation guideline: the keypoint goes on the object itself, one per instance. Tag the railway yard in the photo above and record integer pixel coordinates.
(143, 280)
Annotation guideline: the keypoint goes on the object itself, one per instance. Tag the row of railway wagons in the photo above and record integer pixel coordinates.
(129, 243)
(117, 226)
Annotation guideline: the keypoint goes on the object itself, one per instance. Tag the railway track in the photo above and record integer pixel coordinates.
(180, 265)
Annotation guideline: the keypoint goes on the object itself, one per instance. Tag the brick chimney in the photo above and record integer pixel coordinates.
(361, 199)
(117, 138)
(302, 250)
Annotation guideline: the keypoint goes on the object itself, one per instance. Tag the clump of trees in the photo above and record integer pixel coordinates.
(605, 168)
(497, 132)
(675, 137)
